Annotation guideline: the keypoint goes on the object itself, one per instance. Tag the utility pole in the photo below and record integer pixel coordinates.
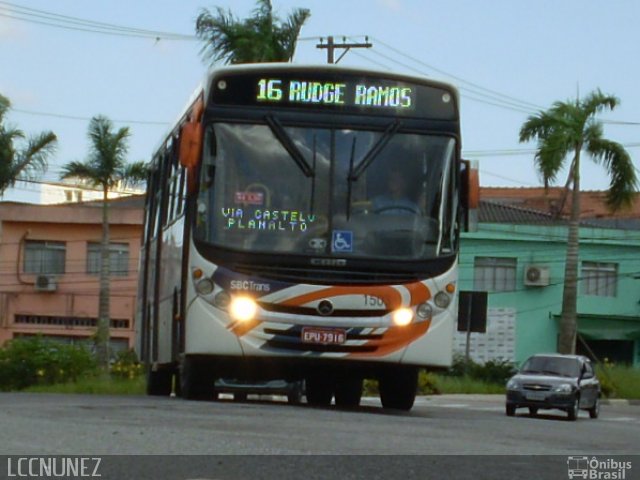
(331, 46)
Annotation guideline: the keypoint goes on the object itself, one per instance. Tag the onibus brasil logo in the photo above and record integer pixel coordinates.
(593, 468)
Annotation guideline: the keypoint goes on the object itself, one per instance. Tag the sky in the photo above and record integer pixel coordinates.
(509, 59)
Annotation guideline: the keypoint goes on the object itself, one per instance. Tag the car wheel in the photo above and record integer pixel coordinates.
(240, 397)
(594, 411)
(572, 412)
(511, 410)
(533, 411)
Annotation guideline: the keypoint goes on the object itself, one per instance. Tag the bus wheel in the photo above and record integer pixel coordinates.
(159, 381)
(348, 391)
(196, 381)
(398, 388)
(294, 395)
(319, 390)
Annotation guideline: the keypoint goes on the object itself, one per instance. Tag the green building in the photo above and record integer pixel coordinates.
(518, 255)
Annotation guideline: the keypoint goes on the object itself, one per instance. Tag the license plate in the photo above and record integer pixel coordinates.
(324, 336)
(536, 395)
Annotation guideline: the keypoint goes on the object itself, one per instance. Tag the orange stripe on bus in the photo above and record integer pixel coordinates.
(242, 328)
(419, 292)
(395, 339)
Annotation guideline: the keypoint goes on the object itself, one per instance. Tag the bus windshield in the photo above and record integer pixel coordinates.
(327, 192)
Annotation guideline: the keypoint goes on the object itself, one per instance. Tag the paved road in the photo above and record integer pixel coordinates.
(45, 424)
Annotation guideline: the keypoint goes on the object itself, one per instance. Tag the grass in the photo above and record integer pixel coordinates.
(619, 381)
(95, 385)
(446, 384)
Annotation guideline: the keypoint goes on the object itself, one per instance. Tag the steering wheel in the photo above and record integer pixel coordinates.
(413, 210)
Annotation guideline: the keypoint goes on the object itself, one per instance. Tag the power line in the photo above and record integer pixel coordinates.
(42, 17)
(501, 96)
(76, 117)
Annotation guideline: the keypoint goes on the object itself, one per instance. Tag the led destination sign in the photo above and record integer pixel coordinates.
(346, 92)
(329, 93)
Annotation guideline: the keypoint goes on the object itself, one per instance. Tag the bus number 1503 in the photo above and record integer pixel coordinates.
(373, 301)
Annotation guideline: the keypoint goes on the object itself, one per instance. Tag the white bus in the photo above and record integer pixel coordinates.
(302, 223)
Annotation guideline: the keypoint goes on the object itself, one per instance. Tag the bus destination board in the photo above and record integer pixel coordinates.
(332, 91)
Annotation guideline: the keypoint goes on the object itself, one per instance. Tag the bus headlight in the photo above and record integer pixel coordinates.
(424, 311)
(204, 286)
(222, 300)
(402, 316)
(442, 300)
(243, 308)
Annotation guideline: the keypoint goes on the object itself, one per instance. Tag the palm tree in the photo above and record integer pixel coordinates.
(261, 38)
(25, 163)
(570, 128)
(105, 168)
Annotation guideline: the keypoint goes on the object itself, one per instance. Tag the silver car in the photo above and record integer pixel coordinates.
(554, 381)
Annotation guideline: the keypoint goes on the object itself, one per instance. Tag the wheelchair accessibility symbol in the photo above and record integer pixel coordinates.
(342, 241)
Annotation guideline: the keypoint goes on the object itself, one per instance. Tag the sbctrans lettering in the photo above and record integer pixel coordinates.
(378, 96)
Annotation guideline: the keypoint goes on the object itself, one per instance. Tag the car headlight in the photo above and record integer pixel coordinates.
(563, 388)
(513, 385)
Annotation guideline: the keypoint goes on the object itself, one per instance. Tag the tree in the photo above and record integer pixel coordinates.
(105, 168)
(260, 38)
(566, 130)
(21, 163)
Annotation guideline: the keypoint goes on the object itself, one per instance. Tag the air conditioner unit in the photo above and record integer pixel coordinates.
(45, 283)
(536, 276)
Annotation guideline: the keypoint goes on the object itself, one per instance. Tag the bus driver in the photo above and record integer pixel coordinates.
(396, 201)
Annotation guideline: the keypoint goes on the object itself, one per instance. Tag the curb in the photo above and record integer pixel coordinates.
(619, 401)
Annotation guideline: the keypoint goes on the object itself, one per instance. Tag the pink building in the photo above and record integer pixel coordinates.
(50, 264)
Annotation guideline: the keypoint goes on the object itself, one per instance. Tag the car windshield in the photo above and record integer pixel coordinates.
(327, 192)
(565, 367)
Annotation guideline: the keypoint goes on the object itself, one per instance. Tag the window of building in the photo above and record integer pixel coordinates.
(599, 279)
(44, 256)
(118, 256)
(494, 274)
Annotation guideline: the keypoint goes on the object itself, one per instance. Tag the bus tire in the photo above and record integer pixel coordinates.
(159, 381)
(294, 395)
(319, 390)
(398, 388)
(348, 391)
(196, 381)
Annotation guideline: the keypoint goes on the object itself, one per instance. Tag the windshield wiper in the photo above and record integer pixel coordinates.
(349, 183)
(284, 138)
(313, 180)
(374, 151)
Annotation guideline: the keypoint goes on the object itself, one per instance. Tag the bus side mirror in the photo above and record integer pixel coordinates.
(190, 151)
(469, 195)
